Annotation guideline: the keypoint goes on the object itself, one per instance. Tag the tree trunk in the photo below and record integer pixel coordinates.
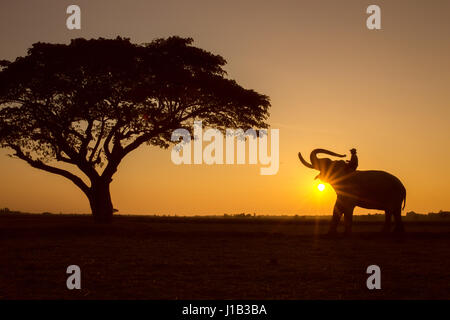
(100, 201)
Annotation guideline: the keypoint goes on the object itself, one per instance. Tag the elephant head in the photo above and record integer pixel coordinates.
(330, 170)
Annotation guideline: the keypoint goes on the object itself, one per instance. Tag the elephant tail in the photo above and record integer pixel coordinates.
(404, 200)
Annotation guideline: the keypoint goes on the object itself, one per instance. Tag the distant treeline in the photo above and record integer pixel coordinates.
(359, 217)
(436, 215)
(411, 215)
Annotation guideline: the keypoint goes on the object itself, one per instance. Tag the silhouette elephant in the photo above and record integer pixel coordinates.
(357, 188)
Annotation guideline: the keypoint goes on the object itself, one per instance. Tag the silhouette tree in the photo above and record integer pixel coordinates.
(90, 103)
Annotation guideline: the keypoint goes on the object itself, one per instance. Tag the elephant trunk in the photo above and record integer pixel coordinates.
(314, 159)
(305, 163)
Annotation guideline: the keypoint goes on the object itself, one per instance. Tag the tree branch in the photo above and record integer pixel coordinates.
(40, 165)
(87, 139)
(109, 137)
(99, 138)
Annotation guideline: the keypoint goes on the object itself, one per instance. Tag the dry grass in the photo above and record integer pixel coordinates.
(195, 258)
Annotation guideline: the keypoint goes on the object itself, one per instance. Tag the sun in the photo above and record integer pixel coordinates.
(321, 187)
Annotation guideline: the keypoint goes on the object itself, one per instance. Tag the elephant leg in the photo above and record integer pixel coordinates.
(337, 212)
(387, 221)
(398, 220)
(348, 217)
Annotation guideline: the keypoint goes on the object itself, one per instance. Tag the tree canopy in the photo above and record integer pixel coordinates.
(91, 102)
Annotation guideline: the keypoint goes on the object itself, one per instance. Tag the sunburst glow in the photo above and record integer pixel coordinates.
(321, 187)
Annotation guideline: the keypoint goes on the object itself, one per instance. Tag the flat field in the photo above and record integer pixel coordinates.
(218, 258)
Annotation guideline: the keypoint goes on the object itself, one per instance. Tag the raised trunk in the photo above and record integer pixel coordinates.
(315, 161)
(100, 201)
(305, 163)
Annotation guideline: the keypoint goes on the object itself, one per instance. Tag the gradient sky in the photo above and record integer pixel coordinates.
(333, 84)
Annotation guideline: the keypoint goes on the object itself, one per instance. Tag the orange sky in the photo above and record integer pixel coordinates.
(333, 84)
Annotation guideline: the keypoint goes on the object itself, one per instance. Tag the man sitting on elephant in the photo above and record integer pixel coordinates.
(352, 164)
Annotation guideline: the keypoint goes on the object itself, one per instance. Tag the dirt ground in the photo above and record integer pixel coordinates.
(218, 258)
